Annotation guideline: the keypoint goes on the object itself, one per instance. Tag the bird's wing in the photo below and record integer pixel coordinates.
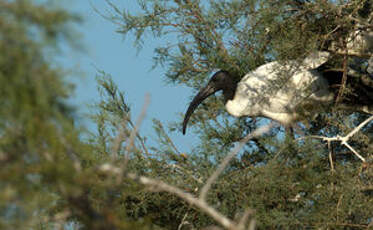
(315, 60)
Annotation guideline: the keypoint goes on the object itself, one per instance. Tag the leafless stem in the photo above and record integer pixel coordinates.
(122, 132)
(169, 140)
(243, 221)
(344, 77)
(182, 221)
(200, 201)
(355, 130)
(353, 150)
(189, 198)
(118, 139)
(185, 171)
(133, 134)
(258, 132)
(351, 53)
(344, 140)
(338, 204)
(330, 156)
(142, 142)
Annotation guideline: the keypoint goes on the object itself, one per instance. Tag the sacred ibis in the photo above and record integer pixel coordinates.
(282, 92)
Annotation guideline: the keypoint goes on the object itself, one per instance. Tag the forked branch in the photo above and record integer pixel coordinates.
(199, 202)
(344, 140)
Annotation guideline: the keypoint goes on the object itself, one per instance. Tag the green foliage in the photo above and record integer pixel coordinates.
(35, 122)
(288, 182)
(52, 179)
(49, 178)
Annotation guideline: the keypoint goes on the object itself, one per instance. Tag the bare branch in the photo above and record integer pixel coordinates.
(353, 150)
(188, 172)
(258, 132)
(330, 156)
(131, 139)
(351, 53)
(183, 222)
(142, 141)
(201, 204)
(118, 139)
(344, 77)
(359, 127)
(243, 221)
(344, 140)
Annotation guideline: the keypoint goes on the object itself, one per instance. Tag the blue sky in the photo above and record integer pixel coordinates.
(131, 70)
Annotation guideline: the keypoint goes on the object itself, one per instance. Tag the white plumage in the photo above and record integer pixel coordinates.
(282, 91)
(359, 42)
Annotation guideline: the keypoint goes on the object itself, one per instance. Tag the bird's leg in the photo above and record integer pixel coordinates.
(289, 131)
(331, 155)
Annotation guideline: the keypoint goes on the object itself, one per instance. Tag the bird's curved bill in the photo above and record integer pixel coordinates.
(201, 96)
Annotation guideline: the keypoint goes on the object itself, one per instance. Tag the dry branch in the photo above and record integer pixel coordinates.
(200, 201)
(344, 140)
(258, 132)
(158, 185)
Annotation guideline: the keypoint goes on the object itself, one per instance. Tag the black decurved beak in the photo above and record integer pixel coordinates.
(201, 96)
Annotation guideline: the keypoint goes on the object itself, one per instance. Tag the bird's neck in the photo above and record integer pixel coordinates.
(230, 91)
(229, 94)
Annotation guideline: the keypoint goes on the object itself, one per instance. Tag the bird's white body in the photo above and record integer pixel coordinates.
(282, 92)
(359, 42)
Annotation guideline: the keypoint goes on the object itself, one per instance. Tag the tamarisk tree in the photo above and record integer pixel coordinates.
(299, 182)
(244, 174)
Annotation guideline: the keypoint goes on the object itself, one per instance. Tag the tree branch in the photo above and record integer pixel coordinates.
(344, 140)
(258, 132)
(199, 202)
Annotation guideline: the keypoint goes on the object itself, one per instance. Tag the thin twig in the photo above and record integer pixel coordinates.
(185, 171)
(131, 139)
(330, 156)
(353, 150)
(344, 140)
(243, 221)
(201, 204)
(182, 221)
(142, 141)
(169, 139)
(118, 139)
(198, 202)
(344, 77)
(252, 225)
(355, 130)
(338, 204)
(351, 53)
(258, 132)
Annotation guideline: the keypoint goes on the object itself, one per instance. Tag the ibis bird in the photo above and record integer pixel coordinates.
(282, 92)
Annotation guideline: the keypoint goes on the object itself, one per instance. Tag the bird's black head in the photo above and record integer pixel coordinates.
(221, 80)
